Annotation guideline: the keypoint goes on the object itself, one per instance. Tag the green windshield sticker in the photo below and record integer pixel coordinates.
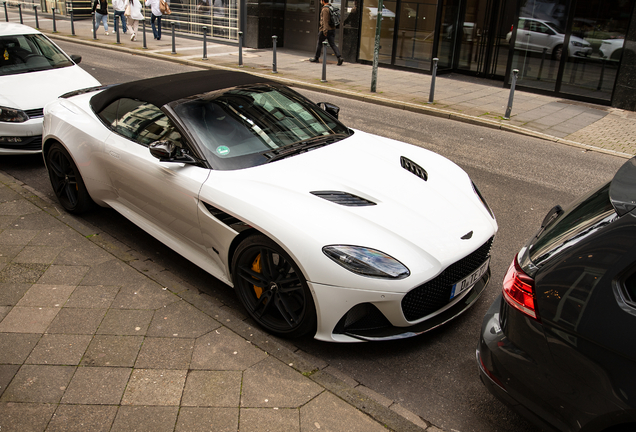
(223, 150)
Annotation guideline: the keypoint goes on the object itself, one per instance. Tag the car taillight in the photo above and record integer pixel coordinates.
(518, 290)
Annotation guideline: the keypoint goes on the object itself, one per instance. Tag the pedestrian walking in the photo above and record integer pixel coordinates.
(155, 17)
(100, 9)
(328, 32)
(119, 7)
(135, 15)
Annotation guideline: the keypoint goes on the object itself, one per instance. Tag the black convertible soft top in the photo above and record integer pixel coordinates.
(164, 89)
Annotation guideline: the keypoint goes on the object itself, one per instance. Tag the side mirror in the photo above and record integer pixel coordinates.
(162, 150)
(76, 58)
(331, 109)
(167, 151)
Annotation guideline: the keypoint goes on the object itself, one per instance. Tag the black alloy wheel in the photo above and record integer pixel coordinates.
(66, 181)
(272, 288)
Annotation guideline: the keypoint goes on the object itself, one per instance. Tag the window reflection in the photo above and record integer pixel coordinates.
(590, 53)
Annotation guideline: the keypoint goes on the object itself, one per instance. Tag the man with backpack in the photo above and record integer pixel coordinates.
(328, 31)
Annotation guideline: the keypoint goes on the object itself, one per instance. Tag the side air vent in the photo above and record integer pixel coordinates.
(227, 219)
(411, 166)
(343, 198)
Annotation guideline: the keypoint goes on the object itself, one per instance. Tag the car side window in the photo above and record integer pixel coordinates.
(139, 121)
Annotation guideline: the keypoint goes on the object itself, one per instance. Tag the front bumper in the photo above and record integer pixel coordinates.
(21, 138)
(381, 310)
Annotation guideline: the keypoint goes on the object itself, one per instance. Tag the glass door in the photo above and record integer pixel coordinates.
(415, 34)
(483, 48)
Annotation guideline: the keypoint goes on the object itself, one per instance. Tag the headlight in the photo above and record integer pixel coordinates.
(483, 200)
(366, 261)
(12, 115)
(578, 44)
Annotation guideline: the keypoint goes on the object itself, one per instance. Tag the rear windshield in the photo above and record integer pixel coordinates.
(581, 219)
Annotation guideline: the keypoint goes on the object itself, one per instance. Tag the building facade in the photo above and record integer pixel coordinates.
(576, 49)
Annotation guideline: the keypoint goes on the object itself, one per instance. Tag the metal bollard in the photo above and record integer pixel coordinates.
(94, 29)
(20, 10)
(54, 26)
(324, 61)
(274, 39)
(545, 50)
(116, 24)
(515, 72)
(174, 47)
(143, 29)
(600, 81)
(205, 43)
(37, 23)
(431, 95)
(72, 24)
(6, 14)
(240, 34)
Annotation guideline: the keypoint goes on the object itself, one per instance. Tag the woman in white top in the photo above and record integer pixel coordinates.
(155, 16)
(134, 7)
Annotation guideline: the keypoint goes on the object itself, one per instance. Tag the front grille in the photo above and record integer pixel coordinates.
(28, 143)
(343, 198)
(435, 294)
(35, 113)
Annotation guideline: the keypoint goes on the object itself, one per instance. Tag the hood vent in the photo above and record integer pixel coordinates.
(343, 198)
(411, 166)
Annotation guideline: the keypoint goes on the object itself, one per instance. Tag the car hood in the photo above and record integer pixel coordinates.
(43, 86)
(425, 224)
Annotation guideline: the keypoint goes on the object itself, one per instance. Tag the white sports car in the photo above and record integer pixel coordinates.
(319, 228)
(33, 72)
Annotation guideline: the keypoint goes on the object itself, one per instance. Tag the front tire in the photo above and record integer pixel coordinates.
(66, 180)
(272, 288)
(557, 52)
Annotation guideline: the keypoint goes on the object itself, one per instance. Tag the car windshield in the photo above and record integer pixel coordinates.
(29, 53)
(247, 126)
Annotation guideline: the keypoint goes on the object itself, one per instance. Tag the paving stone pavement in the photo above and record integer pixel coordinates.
(94, 337)
(460, 97)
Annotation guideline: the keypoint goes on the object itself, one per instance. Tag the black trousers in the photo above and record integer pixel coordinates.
(331, 38)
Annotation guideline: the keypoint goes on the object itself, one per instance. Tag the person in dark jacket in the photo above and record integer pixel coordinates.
(327, 32)
(100, 8)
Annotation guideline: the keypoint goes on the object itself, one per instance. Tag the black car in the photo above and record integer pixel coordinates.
(559, 344)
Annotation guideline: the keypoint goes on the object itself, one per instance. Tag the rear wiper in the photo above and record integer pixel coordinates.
(302, 146)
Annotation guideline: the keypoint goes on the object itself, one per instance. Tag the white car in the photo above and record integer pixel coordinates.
(536, 35)
(33, 72)
(319, 228)
(612, 48)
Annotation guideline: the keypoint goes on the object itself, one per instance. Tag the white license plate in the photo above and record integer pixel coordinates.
(469, 280)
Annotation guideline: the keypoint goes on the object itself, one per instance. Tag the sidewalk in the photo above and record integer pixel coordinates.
(94, 337)
(464, 98)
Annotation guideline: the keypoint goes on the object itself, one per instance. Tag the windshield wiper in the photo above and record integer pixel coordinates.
(302, 146)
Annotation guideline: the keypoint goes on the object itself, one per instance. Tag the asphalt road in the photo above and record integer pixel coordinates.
(434, 375)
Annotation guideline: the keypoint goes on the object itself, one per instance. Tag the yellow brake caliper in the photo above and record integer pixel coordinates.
(256, 266)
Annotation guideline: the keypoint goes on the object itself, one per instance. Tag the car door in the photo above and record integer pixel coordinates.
(523, 34)
(539, 37)
(160, 197)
